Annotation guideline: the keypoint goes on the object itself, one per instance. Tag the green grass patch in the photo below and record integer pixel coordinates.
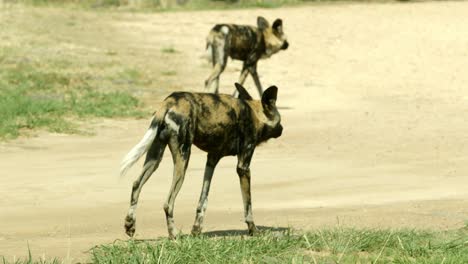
(269, 247)
(31, 98)
(339, 245)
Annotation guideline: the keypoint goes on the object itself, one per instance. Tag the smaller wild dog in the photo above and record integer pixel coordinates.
(246, 43)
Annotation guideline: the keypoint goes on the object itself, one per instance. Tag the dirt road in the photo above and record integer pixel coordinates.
(374, 101)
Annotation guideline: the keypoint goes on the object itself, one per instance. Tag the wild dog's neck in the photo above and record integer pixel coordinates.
(259, 120)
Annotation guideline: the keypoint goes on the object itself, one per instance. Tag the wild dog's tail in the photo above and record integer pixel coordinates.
(209, 48)
(141, 148)
(216, 36)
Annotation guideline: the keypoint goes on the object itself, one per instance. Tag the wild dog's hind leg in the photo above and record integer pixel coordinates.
(243, 171)
(219, 64)
(153, 158)
(180, 155)
(211, 163)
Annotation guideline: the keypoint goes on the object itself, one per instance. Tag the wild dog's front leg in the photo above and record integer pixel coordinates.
(214, 77)
(203, 202)
(243, 171)
(253, 72)
(242, 77)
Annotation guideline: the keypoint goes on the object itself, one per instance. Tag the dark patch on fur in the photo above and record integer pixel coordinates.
(243, 94)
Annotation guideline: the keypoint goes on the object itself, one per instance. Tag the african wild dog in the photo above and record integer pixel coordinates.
(246, 43)
(219, 124)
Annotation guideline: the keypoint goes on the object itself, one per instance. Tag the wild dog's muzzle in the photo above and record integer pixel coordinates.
(285, 45)
(277, 131)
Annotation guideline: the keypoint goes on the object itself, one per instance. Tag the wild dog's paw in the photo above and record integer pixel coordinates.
(253, 230)
(129, 226)
(173, 233)
(196, 230)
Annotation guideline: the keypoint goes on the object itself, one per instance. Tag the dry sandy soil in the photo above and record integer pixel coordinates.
(374, 103)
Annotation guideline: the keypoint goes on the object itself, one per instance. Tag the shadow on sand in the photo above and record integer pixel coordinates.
(285, 107)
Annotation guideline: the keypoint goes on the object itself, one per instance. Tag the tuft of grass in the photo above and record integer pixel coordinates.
(30, 260)
(169, 73)
(111, 53)
(169, 50)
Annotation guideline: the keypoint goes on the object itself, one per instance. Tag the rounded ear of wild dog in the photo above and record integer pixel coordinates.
(278, 25)
(262, 23)
(243, 94)
(269, 98)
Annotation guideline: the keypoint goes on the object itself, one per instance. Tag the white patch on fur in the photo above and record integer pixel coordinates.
(271, 123)
(204, 206)
(172, 125)
(132, 211)
(138, 150)
(225, 30)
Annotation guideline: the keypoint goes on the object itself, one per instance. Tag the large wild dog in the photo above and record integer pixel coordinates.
(246, 43)
(219, 124)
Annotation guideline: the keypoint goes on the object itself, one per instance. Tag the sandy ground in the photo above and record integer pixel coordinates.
(374, 103)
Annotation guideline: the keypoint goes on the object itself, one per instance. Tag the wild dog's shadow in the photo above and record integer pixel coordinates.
(218, 233)
(243, 232)
(285, 107)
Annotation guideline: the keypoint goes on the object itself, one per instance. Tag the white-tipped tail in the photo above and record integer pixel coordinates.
(209, 46)
(138, 150)
(208, 55)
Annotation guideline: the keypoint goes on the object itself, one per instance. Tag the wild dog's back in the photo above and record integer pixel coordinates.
(240, 41)
(213, 119)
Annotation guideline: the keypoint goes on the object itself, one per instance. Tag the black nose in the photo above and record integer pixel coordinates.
(279, 131)
(285, 45)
